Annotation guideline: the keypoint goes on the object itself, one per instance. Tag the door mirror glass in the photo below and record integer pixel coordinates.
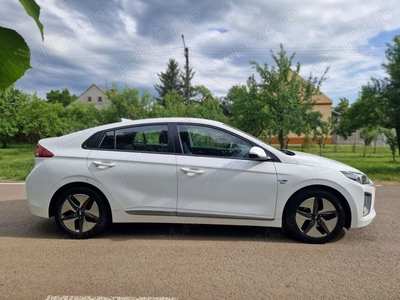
(257, 152)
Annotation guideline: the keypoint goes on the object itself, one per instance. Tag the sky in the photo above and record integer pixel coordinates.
(130, 41)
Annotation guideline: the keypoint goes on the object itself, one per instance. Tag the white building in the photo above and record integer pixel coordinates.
(95, 95)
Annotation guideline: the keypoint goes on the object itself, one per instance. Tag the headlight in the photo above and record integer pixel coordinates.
(359, 177)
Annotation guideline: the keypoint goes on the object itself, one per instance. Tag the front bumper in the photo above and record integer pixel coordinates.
(365, 211)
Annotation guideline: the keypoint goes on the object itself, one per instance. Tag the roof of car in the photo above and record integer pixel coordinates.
(127, 122)
(175, 119)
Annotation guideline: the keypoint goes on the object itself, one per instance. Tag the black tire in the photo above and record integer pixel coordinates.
(81, 213)
(314, 216)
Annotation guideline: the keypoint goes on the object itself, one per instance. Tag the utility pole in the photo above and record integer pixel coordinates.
(187, 71)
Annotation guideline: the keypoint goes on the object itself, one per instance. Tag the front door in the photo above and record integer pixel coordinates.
(217, 179)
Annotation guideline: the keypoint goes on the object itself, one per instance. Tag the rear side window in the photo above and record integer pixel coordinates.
(107, 142)
(150, 138)
(93, 141)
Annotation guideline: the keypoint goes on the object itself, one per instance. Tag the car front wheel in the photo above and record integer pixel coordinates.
(81, 213)
(314, 216)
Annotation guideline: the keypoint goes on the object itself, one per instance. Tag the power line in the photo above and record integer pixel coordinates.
(210, 77)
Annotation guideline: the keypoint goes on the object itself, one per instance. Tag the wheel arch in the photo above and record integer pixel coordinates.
(77, 185)
(335, 192)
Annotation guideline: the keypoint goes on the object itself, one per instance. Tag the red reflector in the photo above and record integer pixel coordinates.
(43, 152)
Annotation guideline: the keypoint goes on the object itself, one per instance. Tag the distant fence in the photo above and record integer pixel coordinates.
(355, 139)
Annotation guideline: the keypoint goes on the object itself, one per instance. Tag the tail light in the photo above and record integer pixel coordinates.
(43, 152)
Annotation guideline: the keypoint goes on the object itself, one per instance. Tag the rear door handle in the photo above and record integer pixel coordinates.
(191, 172)
(103, 165)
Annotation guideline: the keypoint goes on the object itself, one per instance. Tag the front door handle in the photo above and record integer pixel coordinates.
(191, 172)
(103, 165)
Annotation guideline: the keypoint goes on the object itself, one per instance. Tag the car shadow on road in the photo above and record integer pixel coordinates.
(16, 221)
(199, 232)
(195, 232)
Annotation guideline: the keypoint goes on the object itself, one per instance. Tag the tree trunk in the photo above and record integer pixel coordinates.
(398, 136)
(280, 138)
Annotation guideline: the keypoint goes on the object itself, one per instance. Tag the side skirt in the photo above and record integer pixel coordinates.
(121, 216)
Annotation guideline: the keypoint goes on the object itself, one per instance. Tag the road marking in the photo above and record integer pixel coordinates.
(106, 298)
(12, 183)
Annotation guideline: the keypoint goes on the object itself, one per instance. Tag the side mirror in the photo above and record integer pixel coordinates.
(257, 152)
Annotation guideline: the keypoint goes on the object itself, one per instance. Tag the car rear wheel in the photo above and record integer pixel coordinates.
(81, 213)
(314, 216)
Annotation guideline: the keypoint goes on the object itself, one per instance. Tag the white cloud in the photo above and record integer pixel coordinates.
(131, 41)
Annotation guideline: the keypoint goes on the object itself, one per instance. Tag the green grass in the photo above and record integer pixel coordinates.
(18, 160)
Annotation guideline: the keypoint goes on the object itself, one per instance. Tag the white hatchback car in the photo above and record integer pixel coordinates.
(173, 170)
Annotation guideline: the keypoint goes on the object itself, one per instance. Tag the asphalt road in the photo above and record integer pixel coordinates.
(195, 261)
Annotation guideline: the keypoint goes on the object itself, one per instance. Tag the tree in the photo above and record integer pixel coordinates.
(287, 98)
(368, 135)
(200, 93)
(342, 121)
(125, 104)
(11, 103)
(170, 80)
(379, 102)
(321, 133)
(314, 130)
(40, 119)
(62, 97)
(391, 93)
(183, 80)
(80, 116)
(209, 108)
(15, 54)
(147, 101)
(369, 109)
(391, 139)
(248, 111)
(174, 106)
(226, 103)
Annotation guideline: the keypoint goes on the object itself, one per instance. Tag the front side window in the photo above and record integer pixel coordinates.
(201, 140)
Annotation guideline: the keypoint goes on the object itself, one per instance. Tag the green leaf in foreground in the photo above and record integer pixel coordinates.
(33, 10)
(14, 57)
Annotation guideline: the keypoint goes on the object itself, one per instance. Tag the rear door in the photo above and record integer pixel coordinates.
(137, 166)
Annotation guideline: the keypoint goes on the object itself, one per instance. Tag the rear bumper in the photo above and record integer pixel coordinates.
(39, 194)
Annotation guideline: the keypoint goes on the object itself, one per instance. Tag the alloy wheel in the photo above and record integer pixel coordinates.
(79, 213)
(316, 217)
